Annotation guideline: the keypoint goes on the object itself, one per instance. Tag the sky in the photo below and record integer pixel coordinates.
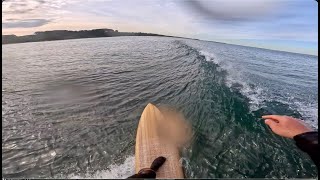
(286, 25)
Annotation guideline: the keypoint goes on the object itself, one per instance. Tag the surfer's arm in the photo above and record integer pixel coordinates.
(308, 142)
(305, 137)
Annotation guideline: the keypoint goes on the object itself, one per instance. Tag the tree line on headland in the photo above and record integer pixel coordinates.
(65, 34)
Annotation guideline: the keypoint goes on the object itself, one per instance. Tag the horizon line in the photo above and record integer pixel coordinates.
(167, 36)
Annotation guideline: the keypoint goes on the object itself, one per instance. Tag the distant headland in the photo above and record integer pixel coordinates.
(65, 34)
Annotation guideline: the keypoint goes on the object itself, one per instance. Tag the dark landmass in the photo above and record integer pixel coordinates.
(65, 34)
(95, 33)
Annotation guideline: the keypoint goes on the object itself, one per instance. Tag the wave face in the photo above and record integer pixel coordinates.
(70, 108)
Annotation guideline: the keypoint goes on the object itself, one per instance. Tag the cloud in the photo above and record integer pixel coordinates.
(203, 19)
(20, 7)
(232, 10)
(33, 9)
(27, 23)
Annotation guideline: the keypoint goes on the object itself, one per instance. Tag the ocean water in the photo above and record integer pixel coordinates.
(70, 108)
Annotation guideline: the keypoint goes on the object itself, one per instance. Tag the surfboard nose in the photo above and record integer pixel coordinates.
(149, 108)
(150, 105)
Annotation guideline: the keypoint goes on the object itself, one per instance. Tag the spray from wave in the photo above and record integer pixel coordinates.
(114, 171)
(258, 96)
(234, 81)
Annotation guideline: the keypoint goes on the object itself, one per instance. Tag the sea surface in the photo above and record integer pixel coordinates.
(70, 108)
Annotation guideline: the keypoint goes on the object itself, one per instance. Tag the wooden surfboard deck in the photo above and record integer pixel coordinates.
(149, 146)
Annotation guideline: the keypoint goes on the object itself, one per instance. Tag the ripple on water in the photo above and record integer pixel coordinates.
(71, 108)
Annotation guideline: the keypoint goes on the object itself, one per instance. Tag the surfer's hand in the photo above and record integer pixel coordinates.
(286, 126)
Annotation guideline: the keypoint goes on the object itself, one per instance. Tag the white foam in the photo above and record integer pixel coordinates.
(257, 96)
(209, 56)
(235, 77)
(254, 94)
(309, 112)
(115, 171)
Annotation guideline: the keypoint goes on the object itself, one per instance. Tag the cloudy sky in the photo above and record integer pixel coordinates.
(288, 25)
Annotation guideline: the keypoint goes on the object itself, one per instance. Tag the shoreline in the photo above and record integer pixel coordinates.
(58, 35)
